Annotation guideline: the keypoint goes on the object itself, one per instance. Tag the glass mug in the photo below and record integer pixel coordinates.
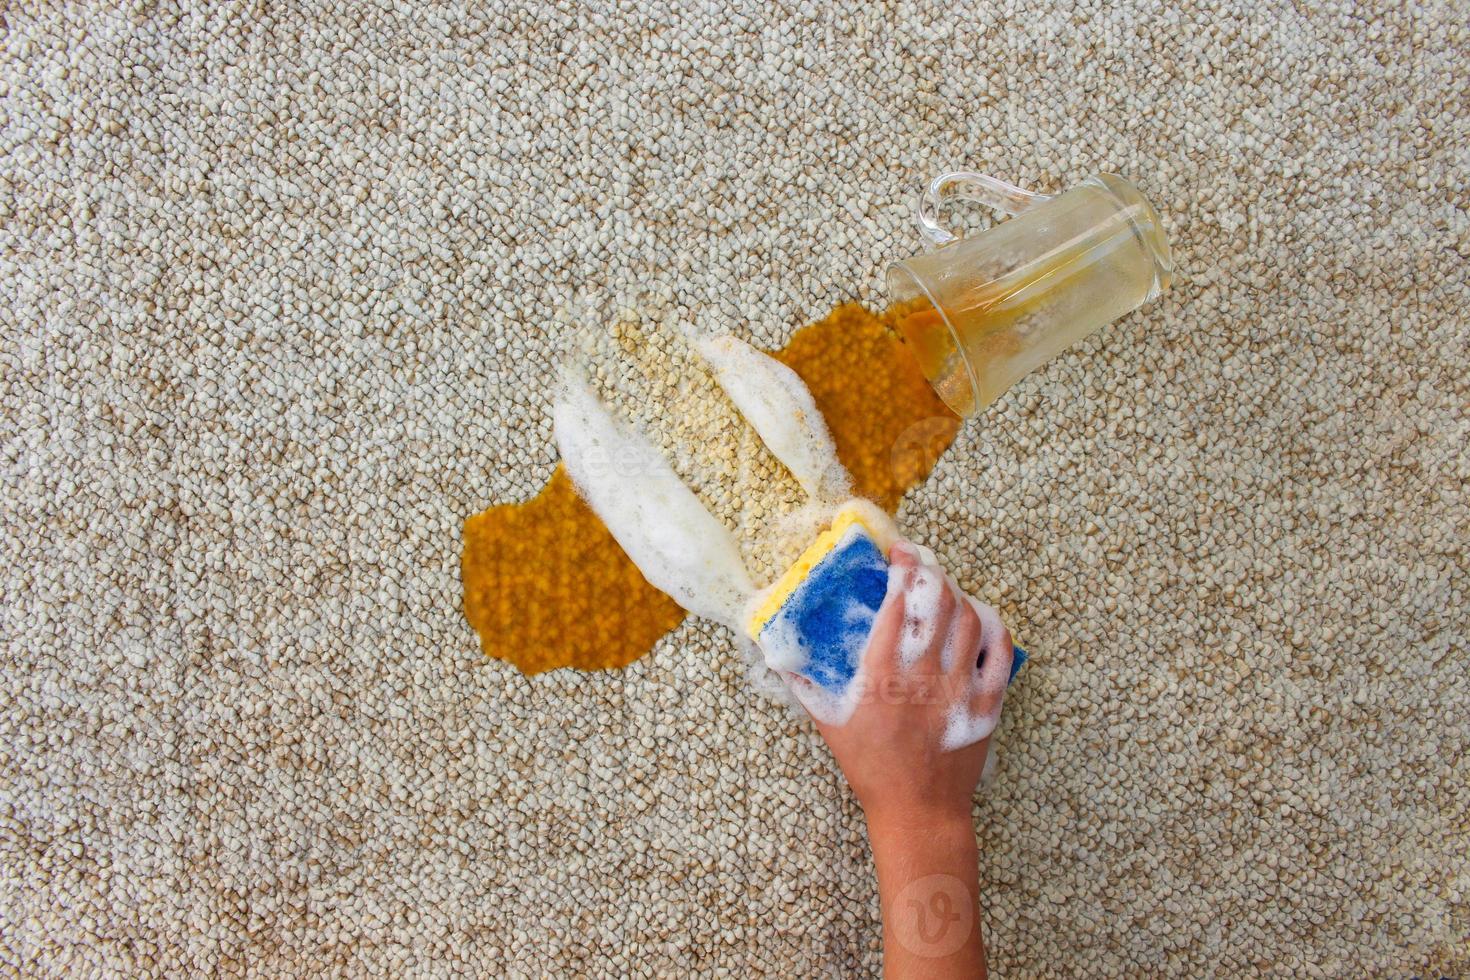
(982, 312)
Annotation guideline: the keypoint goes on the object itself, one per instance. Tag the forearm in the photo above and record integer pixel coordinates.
(929, 885)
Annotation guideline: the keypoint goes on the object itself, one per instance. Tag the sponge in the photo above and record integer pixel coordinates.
(816, 618)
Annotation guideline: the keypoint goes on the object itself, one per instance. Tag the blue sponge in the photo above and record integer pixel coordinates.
(822, 624)
(830, 613)
(1018, 657)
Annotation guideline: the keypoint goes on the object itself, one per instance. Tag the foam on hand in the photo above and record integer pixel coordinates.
(814, 623)
(921, 611)
(975, 718)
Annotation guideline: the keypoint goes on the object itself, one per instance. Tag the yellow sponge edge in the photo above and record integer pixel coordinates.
(802, 567)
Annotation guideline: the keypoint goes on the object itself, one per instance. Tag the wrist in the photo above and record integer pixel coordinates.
(909, 820)
(928, 867)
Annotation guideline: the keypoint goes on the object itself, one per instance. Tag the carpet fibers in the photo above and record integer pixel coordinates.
(284, 289)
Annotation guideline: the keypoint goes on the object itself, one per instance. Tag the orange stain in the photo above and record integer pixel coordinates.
(545, 584)
(889, 426)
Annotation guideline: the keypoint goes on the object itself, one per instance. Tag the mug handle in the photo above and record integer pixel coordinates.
(967, 185)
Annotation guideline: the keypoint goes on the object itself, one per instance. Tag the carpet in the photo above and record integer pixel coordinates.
(285, 286)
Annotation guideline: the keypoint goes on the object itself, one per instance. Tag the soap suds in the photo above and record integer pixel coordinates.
(673, 483)
(704, 502)
(647, 370)
(827, 707)
(778, 405)
(975, 719)
(680, 547)
(923, 603)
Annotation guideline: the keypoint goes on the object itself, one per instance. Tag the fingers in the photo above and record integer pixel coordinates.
(943, 605)
(988, 681)
(881, 656)
(924, 605)
(996, 651)
(962, 648)
(903, 555)
(927, 623)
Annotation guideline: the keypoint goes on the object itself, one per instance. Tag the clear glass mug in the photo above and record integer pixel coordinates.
(982, 312)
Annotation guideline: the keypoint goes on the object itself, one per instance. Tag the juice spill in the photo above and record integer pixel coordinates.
(889, 426)
(545, 584)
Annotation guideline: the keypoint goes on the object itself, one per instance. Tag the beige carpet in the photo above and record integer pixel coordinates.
(281, 288)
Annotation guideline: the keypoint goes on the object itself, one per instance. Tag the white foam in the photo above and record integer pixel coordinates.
(963, 728)
(880, 525)
(678, 545)
(950, 649)
(922, 604)
(778, 405)
(975, 718)
(825, 706)
(782, 646)
(682, 549)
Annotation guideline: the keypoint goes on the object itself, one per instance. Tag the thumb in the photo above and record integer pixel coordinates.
(807, 694)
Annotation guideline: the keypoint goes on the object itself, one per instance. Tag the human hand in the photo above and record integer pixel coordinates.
(932, 681)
